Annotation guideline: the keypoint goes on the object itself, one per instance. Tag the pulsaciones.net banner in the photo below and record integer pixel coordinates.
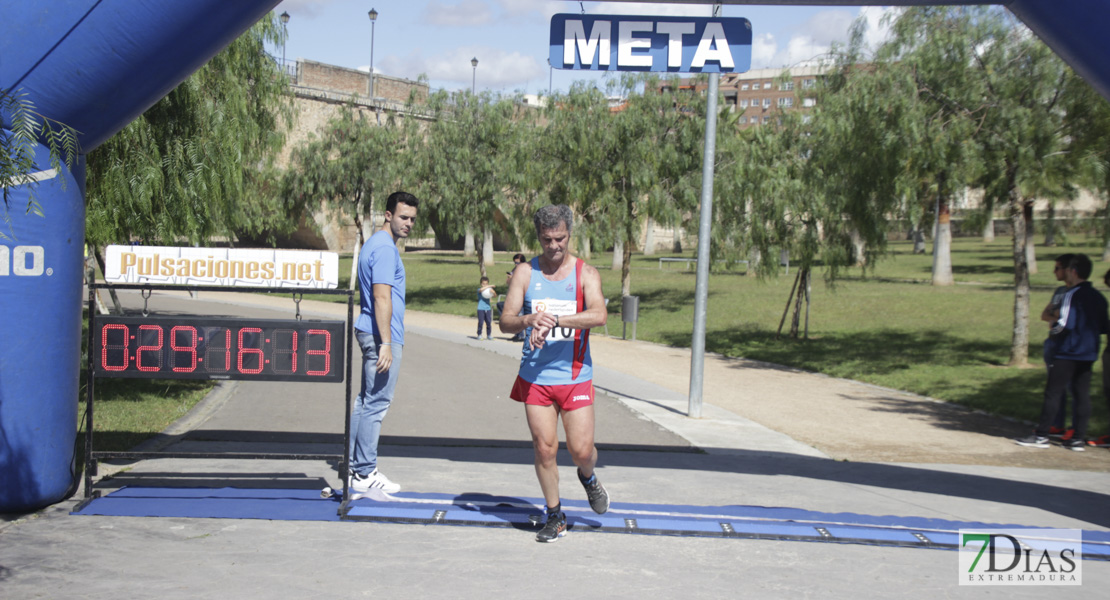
(231, 267)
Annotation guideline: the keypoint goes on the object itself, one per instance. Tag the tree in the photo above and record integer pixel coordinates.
(343, 169)
(468, 164)
(196, 164)
(622, 166)
(1087, 124)
(987, 69)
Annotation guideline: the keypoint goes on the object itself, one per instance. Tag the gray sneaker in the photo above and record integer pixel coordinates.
(555, 528)
(1032, 441)
(599, 498)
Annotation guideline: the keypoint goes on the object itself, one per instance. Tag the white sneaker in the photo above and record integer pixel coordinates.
(375, 480)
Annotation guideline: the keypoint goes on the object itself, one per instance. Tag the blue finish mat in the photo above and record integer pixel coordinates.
(734, 521)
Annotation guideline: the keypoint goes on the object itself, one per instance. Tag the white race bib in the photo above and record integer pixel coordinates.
(561, 308)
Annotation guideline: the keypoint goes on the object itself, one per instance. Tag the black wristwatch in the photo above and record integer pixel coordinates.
(556, 321)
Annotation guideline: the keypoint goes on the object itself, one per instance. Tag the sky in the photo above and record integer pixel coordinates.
(438, 38)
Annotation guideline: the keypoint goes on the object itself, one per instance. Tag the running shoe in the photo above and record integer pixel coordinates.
(1069, 434)
(599, 498)
(1057, 432)
(375, 480)
(1075, 445)
(1032, 441)
(555, 528)
(1100, 442)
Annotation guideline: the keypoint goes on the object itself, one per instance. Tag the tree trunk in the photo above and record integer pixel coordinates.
(918, 237)
(1030, 243)
(618, 255)
(676, 247)
(1019, 344)
(357, 246)
(942, 246)
(585, 251)
(754, 258)
(626, 270)
(1050, 225)
(468, 243)
(859, 255)
(988, 227)
(649, 238)
(487, 247)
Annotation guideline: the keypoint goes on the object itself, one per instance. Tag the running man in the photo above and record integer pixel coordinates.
(380, 331)
(555, 299)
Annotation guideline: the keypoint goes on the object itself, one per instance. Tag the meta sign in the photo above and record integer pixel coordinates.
(663, 44)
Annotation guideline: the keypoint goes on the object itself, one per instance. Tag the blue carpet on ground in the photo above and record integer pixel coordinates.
(738, 521)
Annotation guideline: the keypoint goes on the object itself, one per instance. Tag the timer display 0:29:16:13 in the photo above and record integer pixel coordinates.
(218, 348)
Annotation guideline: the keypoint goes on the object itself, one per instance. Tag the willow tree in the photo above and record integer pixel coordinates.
(930, 68)
(351, 163)
(621, 166)
(468, 163)
(196, 164)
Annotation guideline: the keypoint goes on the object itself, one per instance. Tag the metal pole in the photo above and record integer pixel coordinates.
(701, 287)
(373, 14)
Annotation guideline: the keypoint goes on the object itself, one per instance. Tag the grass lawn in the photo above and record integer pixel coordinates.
(888, 327)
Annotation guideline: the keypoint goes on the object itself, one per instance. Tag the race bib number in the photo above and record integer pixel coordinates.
(562, 308)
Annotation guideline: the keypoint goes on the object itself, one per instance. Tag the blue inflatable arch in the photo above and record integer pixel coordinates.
(96, 65)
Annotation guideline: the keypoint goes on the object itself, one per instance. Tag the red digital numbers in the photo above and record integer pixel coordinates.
(213, 362)
(218, 348)
(324, 352)
(189, 348)
(284, 356)
(114, 341)
(150, 346)
(247, 355)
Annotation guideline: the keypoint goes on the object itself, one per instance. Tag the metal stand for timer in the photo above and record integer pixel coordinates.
(92, 456)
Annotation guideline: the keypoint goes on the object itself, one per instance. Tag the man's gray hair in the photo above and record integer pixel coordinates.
(551, 215)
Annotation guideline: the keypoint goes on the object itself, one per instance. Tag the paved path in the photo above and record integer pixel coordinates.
(769, 437)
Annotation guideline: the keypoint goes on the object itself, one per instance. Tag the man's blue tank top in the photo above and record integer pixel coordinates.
(565, 356)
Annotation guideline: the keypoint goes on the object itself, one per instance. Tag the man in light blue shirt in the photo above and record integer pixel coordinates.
(380, 331)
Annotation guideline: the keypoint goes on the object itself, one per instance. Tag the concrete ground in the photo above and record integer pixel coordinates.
(768, 436)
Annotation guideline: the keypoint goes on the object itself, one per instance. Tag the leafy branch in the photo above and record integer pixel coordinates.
(17, 149)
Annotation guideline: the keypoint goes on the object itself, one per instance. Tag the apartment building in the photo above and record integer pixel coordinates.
(759, 94)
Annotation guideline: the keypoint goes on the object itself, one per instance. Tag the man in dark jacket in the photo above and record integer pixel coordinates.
(1076, 335)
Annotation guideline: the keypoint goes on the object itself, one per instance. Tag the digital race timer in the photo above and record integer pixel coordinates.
(218, 348)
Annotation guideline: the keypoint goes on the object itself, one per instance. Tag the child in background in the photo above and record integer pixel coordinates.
(485, 311)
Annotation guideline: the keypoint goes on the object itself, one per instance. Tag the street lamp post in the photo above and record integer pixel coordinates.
(550, 75)
(284, 35)
(373, 14)
(474, 77)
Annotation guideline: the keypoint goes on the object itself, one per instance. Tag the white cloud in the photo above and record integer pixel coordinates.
(815, 37)
(763, 50)
(877, 31)
(497, 68)
(467, 13)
